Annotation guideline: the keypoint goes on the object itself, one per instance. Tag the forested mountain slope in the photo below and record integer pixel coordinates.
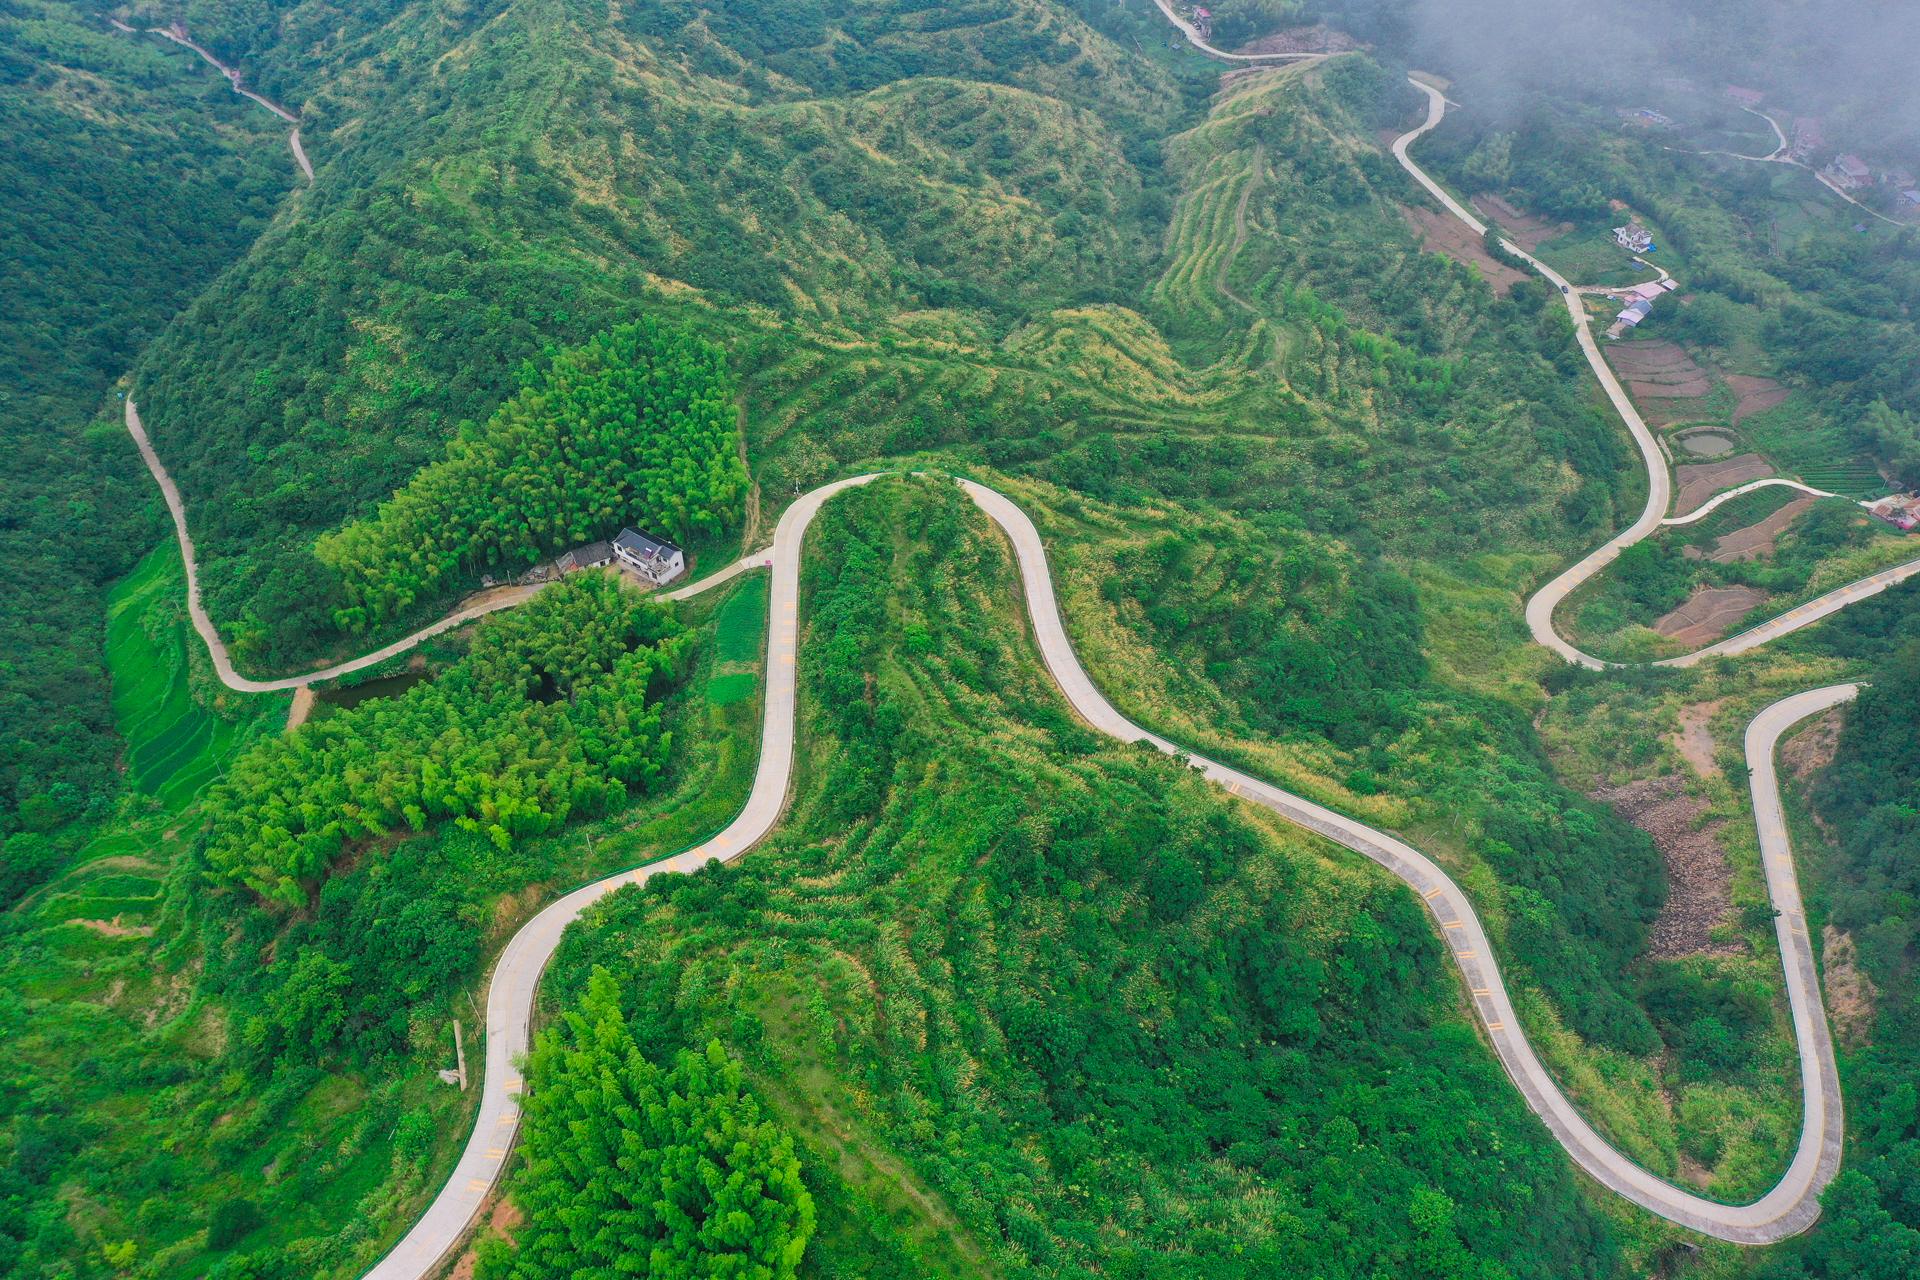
(130, 180)
(530, 175)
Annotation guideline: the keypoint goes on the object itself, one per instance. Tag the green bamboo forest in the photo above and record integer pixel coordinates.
(458, 302)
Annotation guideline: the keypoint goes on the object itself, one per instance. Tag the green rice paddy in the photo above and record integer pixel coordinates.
(174, 745)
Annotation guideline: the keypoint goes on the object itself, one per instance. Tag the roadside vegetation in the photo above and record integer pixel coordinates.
(1637, 609)
(1866, 846)
(555, 710)
(1034, 1002)
(224, 1083)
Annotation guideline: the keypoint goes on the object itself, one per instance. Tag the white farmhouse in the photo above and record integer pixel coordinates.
(655, 559)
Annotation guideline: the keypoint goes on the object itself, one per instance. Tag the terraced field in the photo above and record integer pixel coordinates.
(1813, 448)
(174, 746)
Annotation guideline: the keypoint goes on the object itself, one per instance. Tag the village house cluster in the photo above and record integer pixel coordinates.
(1901, 510)
(1846, 171)
(1639, 305)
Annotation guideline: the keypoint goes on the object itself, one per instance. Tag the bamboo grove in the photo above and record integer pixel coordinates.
(635, 427)
(552, 712)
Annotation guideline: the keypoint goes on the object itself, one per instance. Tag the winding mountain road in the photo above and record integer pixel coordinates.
(1790, 1207)
(237, 81)
(1547, 600)
(1198, 41)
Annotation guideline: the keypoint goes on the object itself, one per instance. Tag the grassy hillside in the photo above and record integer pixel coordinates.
(209, 1087)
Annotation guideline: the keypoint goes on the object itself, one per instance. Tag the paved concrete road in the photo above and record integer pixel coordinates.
(1793, 1204)
(217, 649)
(516, 977)
(1547, 600)
(1721, 499)
(1193, 38)
(235, 79)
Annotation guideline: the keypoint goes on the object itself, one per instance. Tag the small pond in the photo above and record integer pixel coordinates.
(1707, 444)
(380, 687)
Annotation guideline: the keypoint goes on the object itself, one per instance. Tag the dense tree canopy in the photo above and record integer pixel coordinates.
(553, 712)
(635, 427)
(633, 1170)
(116, 205)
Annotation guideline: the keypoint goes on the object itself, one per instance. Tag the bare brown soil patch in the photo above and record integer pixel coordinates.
(301, 707)
(1695, 738)
(1695, 482)
(1850, 993)
(502, 1218)
(1662, 378)
(1757, 540)
(1708, 613)
(1654, 361)
(1699, 882)
(1755, 394)
(1811, 750)
(1671, 413)
(1442, 233)
(1677, 388)
(1528, 230)
(1318, 38)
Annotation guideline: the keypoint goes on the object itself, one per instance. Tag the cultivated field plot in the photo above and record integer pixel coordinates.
(1664, 381)
(1809, 445)
(740, 629)
(1443, 233)
(1528, 230)
(1694, 483)
(174, 746)
(1708, 614)
(1753, 394)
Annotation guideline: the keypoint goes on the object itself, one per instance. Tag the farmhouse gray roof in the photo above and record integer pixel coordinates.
(644, 545)
(590, 554)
